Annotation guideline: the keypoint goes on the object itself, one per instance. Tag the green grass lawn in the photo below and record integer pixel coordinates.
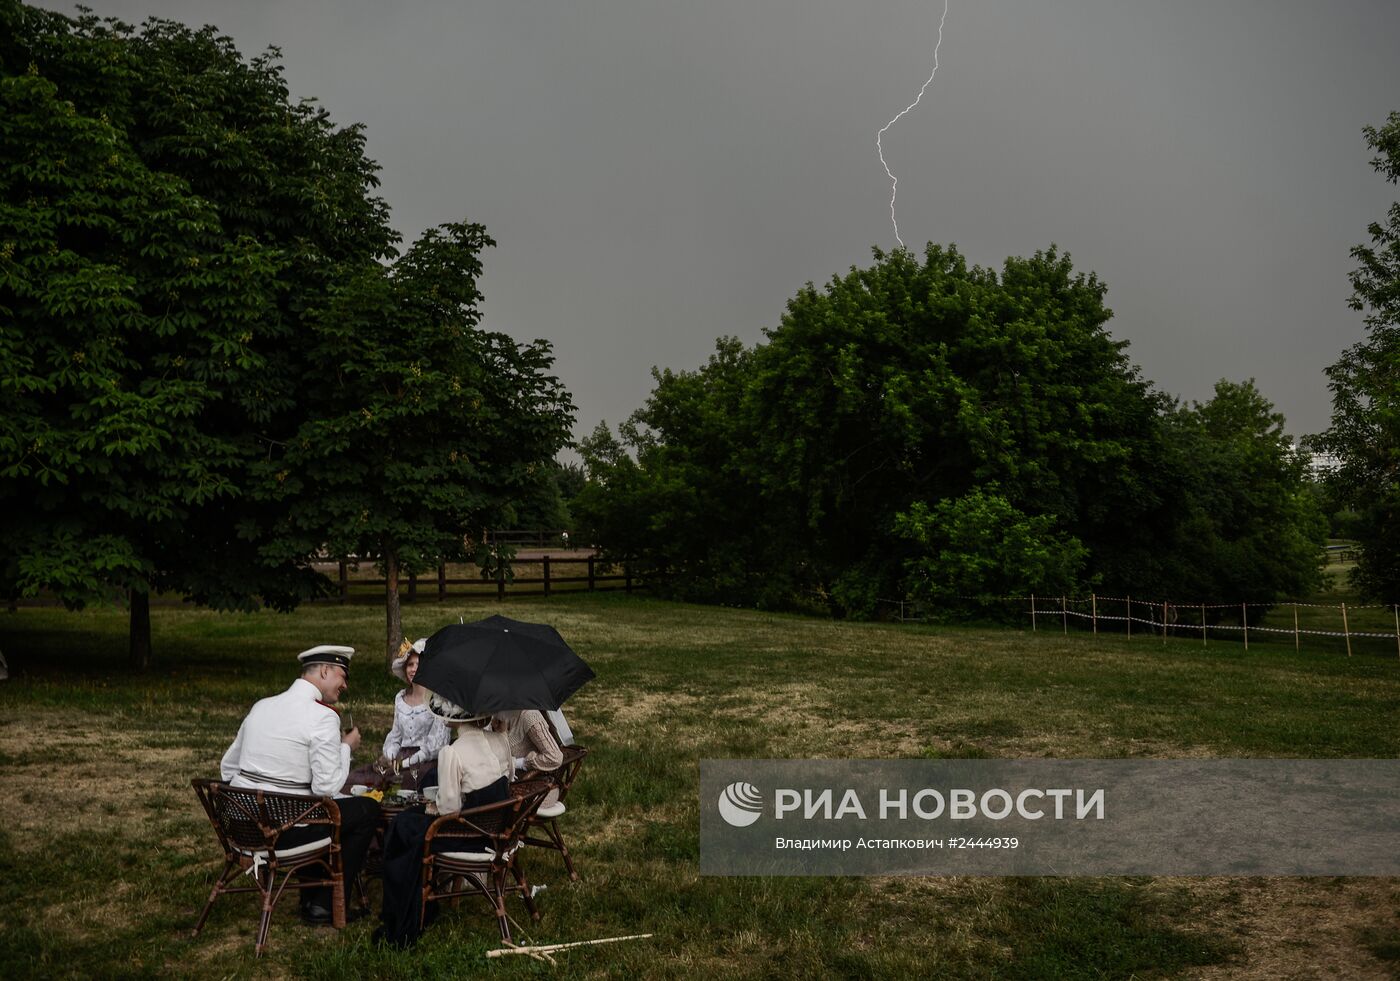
(107, 858)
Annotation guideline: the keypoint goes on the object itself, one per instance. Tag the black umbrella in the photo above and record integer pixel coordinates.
(499, 668)
(539, 631)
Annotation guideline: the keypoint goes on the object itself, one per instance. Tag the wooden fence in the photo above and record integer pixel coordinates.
(589, 575)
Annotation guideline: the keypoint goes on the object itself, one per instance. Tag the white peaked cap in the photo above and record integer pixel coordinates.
(327, 654)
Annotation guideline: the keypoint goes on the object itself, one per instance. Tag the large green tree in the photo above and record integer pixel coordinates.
(792, 469)
(171, 222)
(1250, 528)
(421, 429)
(924, 380)
(1365, 383)
(924, 427)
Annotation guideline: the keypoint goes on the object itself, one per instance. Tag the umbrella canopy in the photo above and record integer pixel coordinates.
(499, 668)
(542, 631)
(539, 631)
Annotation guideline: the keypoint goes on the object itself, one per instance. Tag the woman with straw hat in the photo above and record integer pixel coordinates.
(415, 737)
(476, 768)
(417, 734)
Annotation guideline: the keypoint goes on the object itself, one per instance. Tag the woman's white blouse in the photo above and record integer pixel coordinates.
(414, 725)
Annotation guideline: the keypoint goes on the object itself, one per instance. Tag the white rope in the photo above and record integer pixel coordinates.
(1171, 604)
(255, 870)
(1067, 611)
(547, 949)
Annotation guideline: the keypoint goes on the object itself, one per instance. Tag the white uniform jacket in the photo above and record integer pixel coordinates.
(290, 743)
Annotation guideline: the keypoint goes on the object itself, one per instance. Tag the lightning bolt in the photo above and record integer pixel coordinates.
(879, 137)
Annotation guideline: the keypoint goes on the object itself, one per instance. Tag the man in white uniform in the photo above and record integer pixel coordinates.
(292, 743)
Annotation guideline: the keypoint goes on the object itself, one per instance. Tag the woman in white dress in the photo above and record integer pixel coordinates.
(475, 768)
(417, 734)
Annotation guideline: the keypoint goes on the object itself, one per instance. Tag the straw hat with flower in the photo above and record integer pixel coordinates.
(396, 667)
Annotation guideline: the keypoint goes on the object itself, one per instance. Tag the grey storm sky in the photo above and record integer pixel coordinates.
(658, 174)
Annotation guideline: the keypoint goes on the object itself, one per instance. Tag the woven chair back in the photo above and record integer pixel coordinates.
(567, 773)
(501, 822)
(251, 820)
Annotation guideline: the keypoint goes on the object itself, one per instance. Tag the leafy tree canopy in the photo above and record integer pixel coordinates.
(420, 427)
(1365, 384)
(979, 548)
(918, 426)
(170, 221)
(209, 373)
(1250, 527)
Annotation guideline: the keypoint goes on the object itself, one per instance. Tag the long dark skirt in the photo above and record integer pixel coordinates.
(403, 868)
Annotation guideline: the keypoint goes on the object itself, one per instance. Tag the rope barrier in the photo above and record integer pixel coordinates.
(1171, 603)
(1066, 607)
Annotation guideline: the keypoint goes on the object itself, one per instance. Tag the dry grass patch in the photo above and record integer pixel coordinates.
(106, 783)
(1296, 927)
(636, 709)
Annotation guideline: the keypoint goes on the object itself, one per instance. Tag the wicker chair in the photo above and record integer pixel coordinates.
(479, 867)
(248, 824)
(547, 817)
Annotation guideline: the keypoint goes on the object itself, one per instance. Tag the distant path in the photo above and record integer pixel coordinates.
(534, 554)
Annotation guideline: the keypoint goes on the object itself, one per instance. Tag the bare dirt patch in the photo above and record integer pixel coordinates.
(1295, 928)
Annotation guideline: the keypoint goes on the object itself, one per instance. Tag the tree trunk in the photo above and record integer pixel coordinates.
(139, 648)
(391, 602)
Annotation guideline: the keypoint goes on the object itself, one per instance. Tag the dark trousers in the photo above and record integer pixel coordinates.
(403, 866)
(359, 817)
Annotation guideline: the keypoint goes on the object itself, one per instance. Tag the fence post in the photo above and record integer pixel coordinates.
(500, 579)
(1203, 625)
(413, 587)
(344, 583)
(546, 575)
(1296, 647)
(442, 582)
(1094, 612)
(627, 573)
(1064, 614)
(590, 573)
(1346, 631)
(1244, 622)
(1397, 628)
(1164, 622)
